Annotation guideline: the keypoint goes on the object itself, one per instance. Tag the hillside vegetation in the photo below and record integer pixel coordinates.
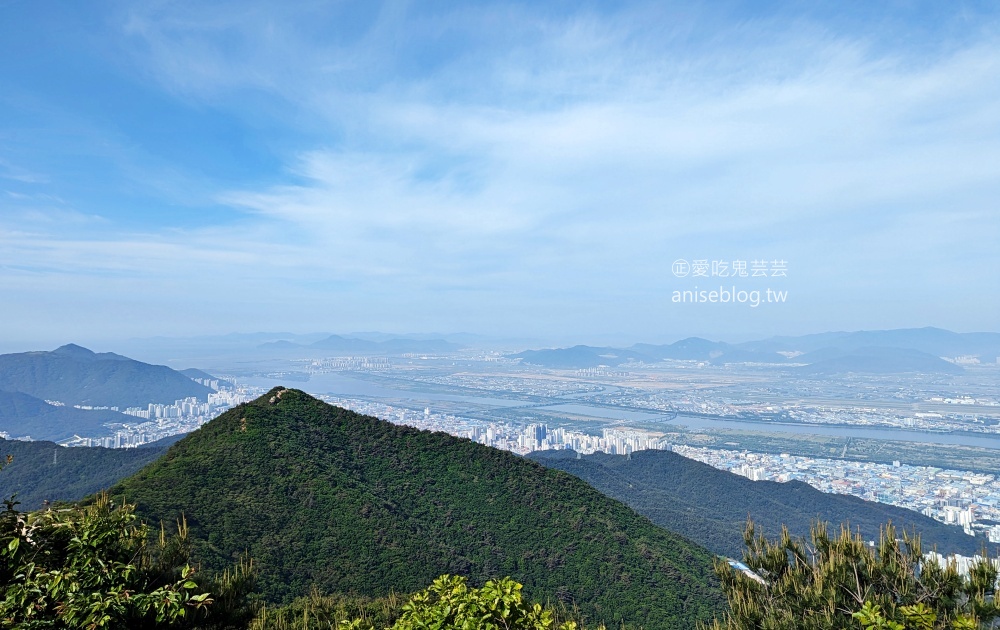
(45, 471)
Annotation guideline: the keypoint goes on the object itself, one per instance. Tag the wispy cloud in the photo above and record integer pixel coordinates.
(11, 172)
(522, 153)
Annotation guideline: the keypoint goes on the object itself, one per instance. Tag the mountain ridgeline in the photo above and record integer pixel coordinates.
(46, 472)
(76, 376)
(711, 506)
(321, 496)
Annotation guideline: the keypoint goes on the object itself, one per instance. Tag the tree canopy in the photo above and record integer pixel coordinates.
(94, 566)
(841, 582)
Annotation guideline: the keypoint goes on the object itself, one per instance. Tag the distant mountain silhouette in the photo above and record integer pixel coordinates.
(874, 352)
(690, 349)
(388, 346)
(79, 353)
(874, 361)
(76, 376)
(351, 345)
(934, 341)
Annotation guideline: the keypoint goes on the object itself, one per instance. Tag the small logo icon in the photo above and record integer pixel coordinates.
(681, 268)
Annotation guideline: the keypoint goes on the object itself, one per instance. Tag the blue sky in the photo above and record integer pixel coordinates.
(529, 169)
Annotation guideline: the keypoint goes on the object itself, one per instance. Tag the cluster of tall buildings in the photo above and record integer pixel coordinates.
(158, 421)
(121, 439)
(509, 436)
(539, 437)
(179, 409)
(351, 364)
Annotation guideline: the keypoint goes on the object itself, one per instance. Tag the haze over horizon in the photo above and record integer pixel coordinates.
(500, 168)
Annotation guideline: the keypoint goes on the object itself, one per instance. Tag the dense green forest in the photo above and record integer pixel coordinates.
(96, 566)
(449, 603)
(23, 415)
(344, 514)
(45, 471)
(841, 582)
(711, 506)
(321, 496)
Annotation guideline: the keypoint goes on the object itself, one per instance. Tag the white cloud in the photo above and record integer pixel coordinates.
(15, 173)
(582, 152)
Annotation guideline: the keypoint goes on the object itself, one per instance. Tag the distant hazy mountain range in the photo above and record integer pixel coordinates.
(711, 506)
(870, 352)
(580, 357)
(221, 350)
(860, 351)
(76, 376)
(73, 375)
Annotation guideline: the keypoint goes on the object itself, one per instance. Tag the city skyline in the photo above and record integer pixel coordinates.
(497, 168)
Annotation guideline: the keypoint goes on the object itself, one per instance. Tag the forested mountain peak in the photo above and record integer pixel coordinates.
(323, 496)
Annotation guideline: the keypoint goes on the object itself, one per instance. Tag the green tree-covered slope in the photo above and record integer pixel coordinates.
(711, 506)
(323, 496)
(840, 582)
(45, 471)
